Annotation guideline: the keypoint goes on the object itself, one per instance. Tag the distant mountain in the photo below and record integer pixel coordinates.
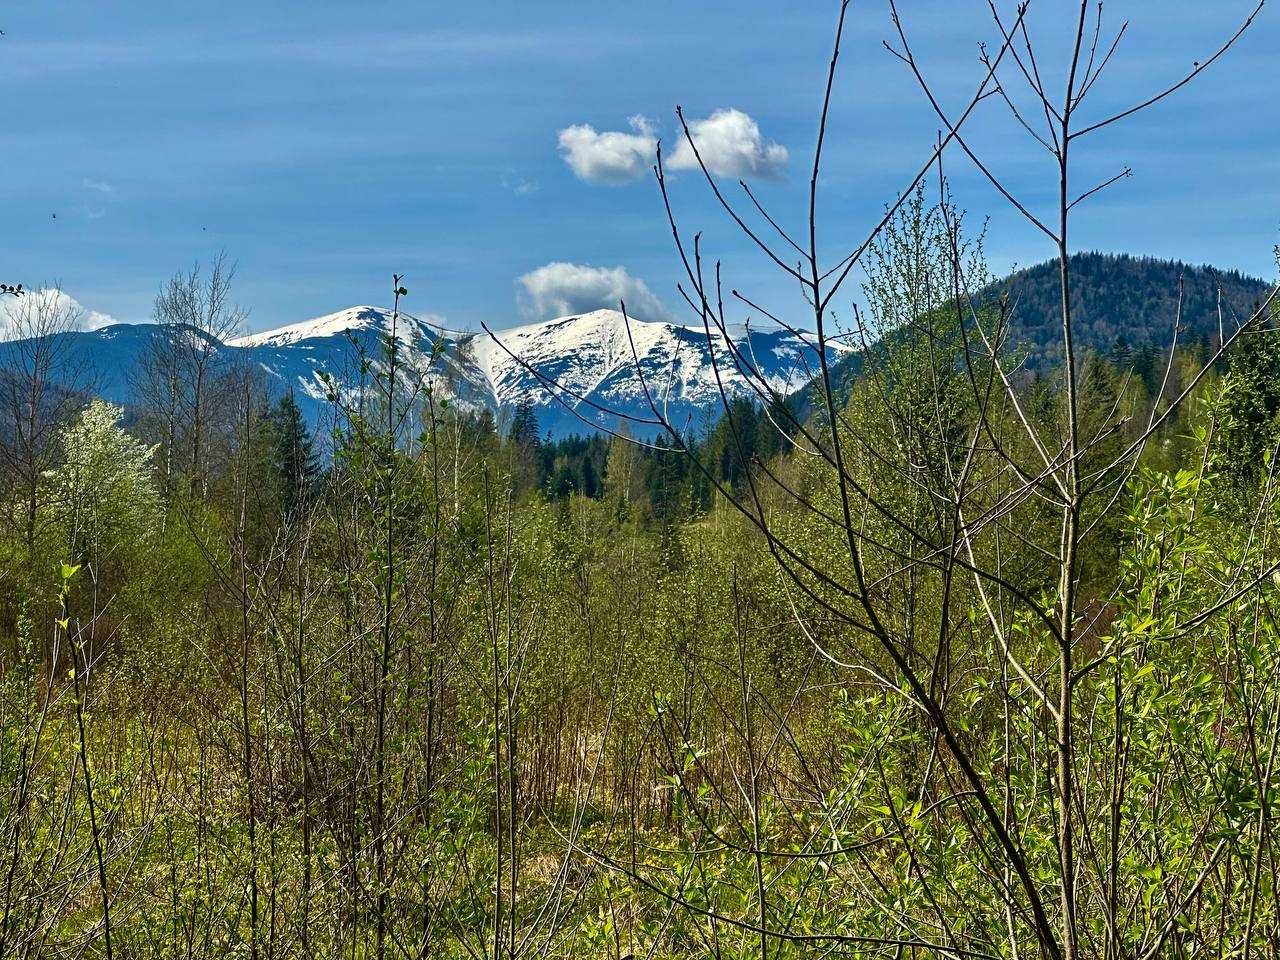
(590, 355)
(1112, 296)
(1115, 296)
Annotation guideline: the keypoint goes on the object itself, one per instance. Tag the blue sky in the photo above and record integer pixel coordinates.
(324, 145)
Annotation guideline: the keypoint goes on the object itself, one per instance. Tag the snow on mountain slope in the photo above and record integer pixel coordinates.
(337, 344)
(576, 352)
(590, 356)
(354, 321)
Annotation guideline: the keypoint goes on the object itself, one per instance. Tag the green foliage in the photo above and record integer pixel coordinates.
(1251, 405)
(463, 691)
(101, 497)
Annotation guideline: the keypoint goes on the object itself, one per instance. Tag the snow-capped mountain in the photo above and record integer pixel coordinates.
(589, 357)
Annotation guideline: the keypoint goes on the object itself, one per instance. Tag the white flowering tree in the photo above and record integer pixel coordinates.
(101, 497)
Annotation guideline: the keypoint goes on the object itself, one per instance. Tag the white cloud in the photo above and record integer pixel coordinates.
(98, 186)
(730, 145)
(96, 320)
(729, 142)
(612, 157)
(560, 289)
(65, 310)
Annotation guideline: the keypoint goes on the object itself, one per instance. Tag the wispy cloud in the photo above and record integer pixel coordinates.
(559, 289)
(520, 186)
(98, 186)
(387, 50)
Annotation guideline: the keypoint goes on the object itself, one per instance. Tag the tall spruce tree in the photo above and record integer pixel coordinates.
(1251, 419)
(296, 463)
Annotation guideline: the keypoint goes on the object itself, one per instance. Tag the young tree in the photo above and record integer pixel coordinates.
(42, 385)
(101, 497)
(624, 476)
(185, 372)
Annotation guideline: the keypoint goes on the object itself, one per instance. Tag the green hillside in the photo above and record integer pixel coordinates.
(1116, 296)
(1117, 299)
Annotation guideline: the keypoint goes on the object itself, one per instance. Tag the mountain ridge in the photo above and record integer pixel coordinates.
(594, 355)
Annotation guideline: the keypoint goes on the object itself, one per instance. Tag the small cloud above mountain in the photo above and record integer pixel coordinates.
(558, 289)
(19, 315)
(729, 142)
(96, 320)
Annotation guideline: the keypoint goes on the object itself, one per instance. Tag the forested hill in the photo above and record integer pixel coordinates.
(1117, 300)
(1114, 296)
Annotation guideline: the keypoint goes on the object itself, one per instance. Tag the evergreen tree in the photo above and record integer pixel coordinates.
(1122, 353)
(295, 461)
(1251, 418)
(523, 431)
(666, 476)
(527, 465)
(1145, 366)
(588, 478)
